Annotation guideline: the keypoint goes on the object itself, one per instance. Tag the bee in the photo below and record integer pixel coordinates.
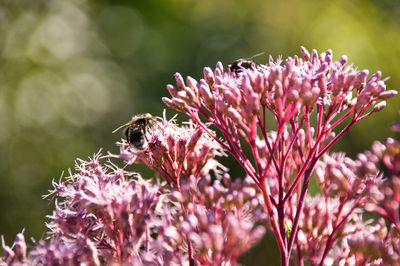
(240, 64)
(135, 130)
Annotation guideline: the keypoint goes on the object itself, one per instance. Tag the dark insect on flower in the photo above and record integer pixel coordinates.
(240, 64)
(135, 130)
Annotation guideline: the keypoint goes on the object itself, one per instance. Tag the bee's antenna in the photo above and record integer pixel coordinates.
(261, 53)
(115, 130)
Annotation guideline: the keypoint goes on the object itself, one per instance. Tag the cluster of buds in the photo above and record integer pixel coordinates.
(107, 215)
(341, 176)
(101, 204)
(55, 252)
(176, 152)
(386, 197)
(238, 103)
(220, 220)
(350, 187)
(323, 223)
(371, 244)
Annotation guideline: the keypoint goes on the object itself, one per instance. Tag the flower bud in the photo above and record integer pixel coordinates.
(208, 76)
(363, 98)
(360, 79)
(183, 95)
(171, 147)
(172, 90)
(378, 107)
(328, 56)
(168, 102)
(343, 60)
(234, 115)
(259, 83)
(375, 77)
(278, 89)
(20, 247)
(387, 94)
(231, 98)
(349, 82)
(314, 56)
(178, 103)
(322, 69)
(220, 69)
(191, 83)
(254, 103)
(206, 95)
(293, 95)
(194, 138)
(180, 150)
(221, 107)
(304, 53)
(190, 94)
(179, 81)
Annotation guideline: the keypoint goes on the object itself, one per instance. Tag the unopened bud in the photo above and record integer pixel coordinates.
(288, 66)
(220, 68)
(387, 94)
(360, 79)
(221, 107)
(328, 56)
(314, 56)
(343, 60)
(231, 98)
(378, 107)
(322, 85)
(304, 53)
(208, 75)
(179, 81)
(293, 95)
(171, 147)
(234, 115)
(191, 82)
(20, 247)
(375, 77)
(363, 98)
(278, 89)
(178, 103)
(322, 69)
(191, 95)
(158, 152)
(349, 82)
(254, 103)
(183, 95)
(168, 102)
(172, 90)
(194, 138)
(259, 83)
(206, 95)
(180, 150)
(378, 88)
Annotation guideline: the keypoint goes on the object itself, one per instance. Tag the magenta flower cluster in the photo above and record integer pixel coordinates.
(279, 121)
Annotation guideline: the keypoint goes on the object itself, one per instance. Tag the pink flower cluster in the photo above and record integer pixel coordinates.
(278, 120)
(283, 96)
(107, 215)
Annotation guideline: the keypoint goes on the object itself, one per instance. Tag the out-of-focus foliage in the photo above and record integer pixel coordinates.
(72, 71)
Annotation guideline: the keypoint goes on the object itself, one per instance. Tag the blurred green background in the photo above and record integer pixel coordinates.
(72, 71)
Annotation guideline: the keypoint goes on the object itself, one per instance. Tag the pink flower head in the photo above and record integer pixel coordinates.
(282, 95)
(176, 151)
